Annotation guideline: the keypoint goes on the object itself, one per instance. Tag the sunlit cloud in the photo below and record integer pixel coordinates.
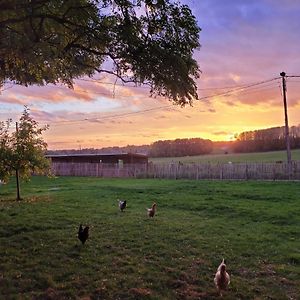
(221, 133)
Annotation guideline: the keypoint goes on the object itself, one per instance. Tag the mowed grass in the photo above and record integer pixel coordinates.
(272, 156)
(254, 225)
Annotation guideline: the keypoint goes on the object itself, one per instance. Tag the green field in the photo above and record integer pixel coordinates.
(233, 157)
(254, 225)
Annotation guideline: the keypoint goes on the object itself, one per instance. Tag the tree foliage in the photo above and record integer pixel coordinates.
(181, 147)
(141, 41)
(22, 150)
(269, 139)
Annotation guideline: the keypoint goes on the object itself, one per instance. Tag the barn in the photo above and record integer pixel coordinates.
(124, 158)
(100, 165)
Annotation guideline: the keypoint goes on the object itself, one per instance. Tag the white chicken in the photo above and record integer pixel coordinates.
(222, 278)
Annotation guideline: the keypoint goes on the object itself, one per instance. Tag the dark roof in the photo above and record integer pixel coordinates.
(98, 155)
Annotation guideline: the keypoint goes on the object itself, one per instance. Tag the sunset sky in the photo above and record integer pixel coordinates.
(243, 42)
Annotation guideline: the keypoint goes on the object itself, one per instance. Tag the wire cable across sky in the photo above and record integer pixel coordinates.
(232, 90)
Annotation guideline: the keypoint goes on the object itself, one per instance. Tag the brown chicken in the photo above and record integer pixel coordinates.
(222, 278)
(151, 211)
(83, 234)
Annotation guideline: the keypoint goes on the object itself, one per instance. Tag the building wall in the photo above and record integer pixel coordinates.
(108, 159)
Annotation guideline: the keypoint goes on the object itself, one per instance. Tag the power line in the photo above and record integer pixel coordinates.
(233, 88)
(109, 117)
(292, 76)
(160, 107)
(71, 122)
(257, 89)
(147, 87)
(239, 89)
(252, 87)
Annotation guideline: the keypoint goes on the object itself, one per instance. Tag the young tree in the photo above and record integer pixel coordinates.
(22, 152)
(140, 41)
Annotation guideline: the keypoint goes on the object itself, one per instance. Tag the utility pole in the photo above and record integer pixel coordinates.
(287, 134)
(17, 171)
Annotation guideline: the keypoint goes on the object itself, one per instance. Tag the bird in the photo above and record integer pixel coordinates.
(122, 205)
(83, 234)
(222, 278)
(151, 211)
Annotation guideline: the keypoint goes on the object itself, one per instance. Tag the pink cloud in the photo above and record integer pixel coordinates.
(12, 100)
(54, 94)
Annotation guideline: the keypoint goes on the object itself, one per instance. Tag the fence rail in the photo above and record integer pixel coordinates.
(240, 171)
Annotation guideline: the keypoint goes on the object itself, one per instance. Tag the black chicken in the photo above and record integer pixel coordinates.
(83, 234)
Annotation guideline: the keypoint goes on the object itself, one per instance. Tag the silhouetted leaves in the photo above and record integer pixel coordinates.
(144, 41)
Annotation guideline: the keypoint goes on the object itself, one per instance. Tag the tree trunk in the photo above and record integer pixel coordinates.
(18, 185)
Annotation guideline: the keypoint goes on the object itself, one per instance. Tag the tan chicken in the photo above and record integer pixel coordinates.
(151, 211)
(222, 278)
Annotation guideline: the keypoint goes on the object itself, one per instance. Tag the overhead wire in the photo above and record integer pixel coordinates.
(258, 89)
(147, 87)
(237, 89)
(292, 76)
(142, 111)
(65, 122)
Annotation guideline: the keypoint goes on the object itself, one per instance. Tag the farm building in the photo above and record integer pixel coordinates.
(100, 165)
(125, 158)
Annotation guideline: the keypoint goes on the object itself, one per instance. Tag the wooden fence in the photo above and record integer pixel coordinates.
(239, 171)
(98, 169)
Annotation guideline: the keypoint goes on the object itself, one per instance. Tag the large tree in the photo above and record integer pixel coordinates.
(141, 41)
(22, 152)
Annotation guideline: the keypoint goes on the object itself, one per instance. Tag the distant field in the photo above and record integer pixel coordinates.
(223, 158)
(254, 225)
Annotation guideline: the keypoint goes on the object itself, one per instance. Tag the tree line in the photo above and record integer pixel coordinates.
(161, 148)
(270, 139)
(181, 147)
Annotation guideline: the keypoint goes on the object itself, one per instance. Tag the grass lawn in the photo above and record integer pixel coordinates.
(254, 225)
(233, 157)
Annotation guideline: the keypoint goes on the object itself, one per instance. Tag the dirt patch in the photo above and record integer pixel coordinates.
(243, 272)
(170, 270)
(290, 287)
(177, 283)
(140, 292)
(34, 199)
(199, 261)
(267, 270)
(190, 292)
(187, 284)
(100, 293)
(49, 294)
